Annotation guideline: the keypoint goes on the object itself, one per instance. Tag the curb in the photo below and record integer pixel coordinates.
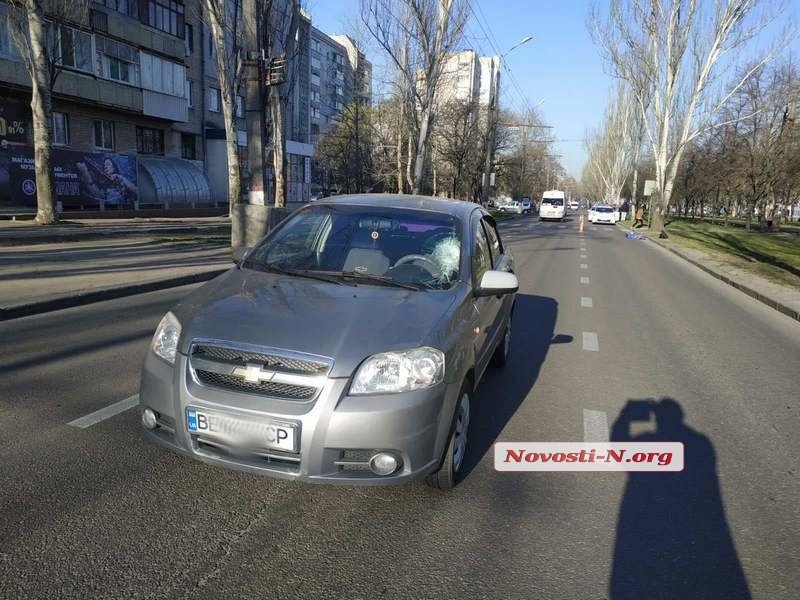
(771, 302)
(81, 236)
(44, 306)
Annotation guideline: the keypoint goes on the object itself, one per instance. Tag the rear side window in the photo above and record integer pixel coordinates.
(494, 241)
(481, 256)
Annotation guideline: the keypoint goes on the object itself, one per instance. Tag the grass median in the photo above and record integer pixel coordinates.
(775, 256)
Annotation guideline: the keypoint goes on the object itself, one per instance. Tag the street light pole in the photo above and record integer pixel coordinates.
(491, 120)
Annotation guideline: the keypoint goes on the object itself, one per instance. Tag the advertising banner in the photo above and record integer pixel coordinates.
(87, 180)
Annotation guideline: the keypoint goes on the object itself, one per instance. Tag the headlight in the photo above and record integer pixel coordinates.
(165, 340)
(392, 372)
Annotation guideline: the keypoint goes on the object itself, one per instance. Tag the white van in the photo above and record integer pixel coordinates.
(553, 206)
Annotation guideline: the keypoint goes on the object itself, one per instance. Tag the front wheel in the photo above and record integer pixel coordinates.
(450, 471)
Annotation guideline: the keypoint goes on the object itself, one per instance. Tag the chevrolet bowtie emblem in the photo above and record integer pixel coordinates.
(254, 373)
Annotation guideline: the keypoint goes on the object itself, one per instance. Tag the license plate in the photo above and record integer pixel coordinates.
(241, 431)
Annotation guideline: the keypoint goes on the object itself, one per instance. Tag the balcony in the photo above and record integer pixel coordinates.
(164, 106)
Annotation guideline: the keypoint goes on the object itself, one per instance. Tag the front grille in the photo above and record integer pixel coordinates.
(266, 388)
(272, 361)
(286, 375)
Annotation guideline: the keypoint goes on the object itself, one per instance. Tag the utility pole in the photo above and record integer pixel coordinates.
(491, 123)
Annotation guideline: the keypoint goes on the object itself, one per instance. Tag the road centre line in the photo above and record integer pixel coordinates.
(586, 302)
(583, 256)
(584, 266)
(105, 413)
(585, 280)
(590, 342)
(595, 426)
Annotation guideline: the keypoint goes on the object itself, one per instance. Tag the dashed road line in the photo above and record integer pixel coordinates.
(590, 342)
(584, 266)
(583, 256)
(595, 426)
(586, 302)
(105, 413)
(584, 280)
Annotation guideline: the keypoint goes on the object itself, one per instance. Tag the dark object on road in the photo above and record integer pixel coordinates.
(673, 540)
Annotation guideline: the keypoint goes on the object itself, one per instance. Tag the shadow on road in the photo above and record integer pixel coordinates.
(673, 539)
(502, 391)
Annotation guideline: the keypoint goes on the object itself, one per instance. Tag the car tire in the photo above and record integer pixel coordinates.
(503, 350)
(451, 470)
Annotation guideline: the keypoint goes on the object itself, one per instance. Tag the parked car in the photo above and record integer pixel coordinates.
(343, 348)
(603, 214)
(513, 206)
(526, 205)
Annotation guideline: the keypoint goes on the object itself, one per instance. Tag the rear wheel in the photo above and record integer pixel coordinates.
(450, 471)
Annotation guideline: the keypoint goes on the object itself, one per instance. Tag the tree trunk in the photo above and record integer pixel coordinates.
(422, 148)
(226, 85)
(41, 111)
(278, 145)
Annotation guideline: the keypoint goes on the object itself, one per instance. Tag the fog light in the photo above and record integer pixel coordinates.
(383, 463)
(149, 418)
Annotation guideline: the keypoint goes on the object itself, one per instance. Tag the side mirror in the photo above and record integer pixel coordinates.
(240, 253)
(497, 283)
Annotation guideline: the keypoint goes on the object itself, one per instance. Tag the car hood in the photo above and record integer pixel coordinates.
(344, 322)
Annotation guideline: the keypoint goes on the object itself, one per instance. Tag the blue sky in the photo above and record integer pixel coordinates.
(560, 71)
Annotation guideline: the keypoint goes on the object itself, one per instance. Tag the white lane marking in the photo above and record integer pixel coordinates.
(590, 342)
(583, 256)
(584, 266)
(595, 426)
(105, 413)
(586, 302)
(584, 280)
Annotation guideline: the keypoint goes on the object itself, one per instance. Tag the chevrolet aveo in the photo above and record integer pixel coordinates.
(344, 348)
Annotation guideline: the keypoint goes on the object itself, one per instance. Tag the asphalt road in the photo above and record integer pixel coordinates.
(100, 512)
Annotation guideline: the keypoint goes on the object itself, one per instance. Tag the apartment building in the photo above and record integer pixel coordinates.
(137, 116)
(137, 110)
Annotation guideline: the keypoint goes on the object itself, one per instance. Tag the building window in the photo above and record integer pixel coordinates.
(73, 48)
(214, 100)
(190, 93)
(163, 76)
(188, 38)
(315, 113)
(188, 146)
(117, 61)
(314, 79)
(104, 134)
(7, 47)
(239, 107)
(166, 15)
(60, 129)
(149, 141)
(126, 7)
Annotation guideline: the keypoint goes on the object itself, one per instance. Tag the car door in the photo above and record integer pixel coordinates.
(501, 261)
(486, 307)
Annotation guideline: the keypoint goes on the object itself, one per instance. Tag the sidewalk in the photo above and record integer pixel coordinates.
(780, 297)
(15, 233)
(52, 276)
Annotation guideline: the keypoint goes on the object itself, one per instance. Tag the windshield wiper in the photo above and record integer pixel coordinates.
(378, 279)
(296, 273)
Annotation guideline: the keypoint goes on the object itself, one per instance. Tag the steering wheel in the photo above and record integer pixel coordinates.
(436, 271)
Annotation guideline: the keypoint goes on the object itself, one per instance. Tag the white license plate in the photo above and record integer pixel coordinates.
(241, 431)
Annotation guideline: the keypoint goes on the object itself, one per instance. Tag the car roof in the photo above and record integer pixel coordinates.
(457, 208)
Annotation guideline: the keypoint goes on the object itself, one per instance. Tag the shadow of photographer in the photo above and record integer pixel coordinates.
(673, 539)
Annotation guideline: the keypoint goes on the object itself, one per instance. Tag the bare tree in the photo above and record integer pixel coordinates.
(224, 17)
(417, 36)
(673, 53)
(612, 150)
(457, 143)
(283, 21)
(44, 42)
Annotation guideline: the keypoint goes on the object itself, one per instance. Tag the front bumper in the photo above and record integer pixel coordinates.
(332, 428)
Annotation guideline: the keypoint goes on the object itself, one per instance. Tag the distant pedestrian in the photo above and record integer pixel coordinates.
(639, 222)
(623, 211)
